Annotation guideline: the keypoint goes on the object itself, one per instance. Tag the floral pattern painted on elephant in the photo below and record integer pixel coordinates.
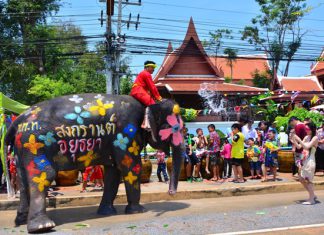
(130, 130)
(48, 138)
(121, 142)
(32, 170)
(137, 169)
(134, 148)
(32, 145)
(87, 159)
(18, 143)
(41, 162)
(175, 130)
(78, 115)
(41, 181)
(127, 161)
(101, 108)
(130, 178)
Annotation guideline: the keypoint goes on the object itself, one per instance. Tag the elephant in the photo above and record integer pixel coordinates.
(76, 131)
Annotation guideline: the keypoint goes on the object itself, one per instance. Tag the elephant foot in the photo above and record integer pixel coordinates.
(106, 210)
(134, 209)
(21, 218)
(40, 224)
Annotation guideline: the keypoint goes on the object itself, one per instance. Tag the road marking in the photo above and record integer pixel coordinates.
(271, 229)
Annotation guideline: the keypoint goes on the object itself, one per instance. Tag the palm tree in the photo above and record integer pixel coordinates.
(231, 58)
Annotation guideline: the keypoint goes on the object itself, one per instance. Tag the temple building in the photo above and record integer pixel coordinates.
(188, 69)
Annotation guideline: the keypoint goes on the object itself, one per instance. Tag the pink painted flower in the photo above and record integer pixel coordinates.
(175, 130)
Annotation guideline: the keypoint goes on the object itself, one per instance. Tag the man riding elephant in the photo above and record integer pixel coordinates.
(145, 91)
(74, 132)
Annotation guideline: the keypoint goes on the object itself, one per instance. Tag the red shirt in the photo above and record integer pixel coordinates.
(144, 89)
(300, 130)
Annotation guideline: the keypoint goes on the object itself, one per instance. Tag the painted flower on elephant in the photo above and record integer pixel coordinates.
(78, 115)
(130, 178)
(41, 162)
(121, 142)
(127, 161)
(99, 97)
(32, 170)
(76, 99)
(101, 107)
(32, 145)
(137, 169)
(134, 148)
(130, 130)
(175, 130)
(18, 140)
(41, 181)
(87, 159)
(48, 138)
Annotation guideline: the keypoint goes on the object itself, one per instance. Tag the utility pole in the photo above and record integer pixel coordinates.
(109, 48)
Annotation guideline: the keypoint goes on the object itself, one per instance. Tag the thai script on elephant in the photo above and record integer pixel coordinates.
(28, 126)
(81, 145)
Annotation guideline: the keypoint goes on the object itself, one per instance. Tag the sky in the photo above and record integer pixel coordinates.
(168, 19)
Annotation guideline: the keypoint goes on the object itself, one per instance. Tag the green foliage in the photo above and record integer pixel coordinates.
(231, 58)
(262, 79)
(300, 113)
(44, 88)
(227, 79)
(216, 39)
(241, 82)
(126, 84)
(268, 108)
(188, 115)
(278, 18)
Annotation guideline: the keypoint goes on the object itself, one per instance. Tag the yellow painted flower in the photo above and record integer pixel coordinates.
(176, 109)
(87, 158)
(36, 111)
(101, 108)
(134, 148)
(41, 181)
(32, 145)
(131, 178)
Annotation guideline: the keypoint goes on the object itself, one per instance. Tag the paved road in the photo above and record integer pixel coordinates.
(201, 216)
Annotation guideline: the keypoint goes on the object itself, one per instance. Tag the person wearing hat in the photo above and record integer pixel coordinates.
(145, 91)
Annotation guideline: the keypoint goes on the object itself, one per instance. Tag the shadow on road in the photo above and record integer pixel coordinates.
(79, 214)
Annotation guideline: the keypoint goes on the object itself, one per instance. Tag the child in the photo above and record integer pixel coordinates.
(226, 153)
(201, 151)
(92, 173)
(237, 152)
(253, 154)
(160, 156)
(13, 172)
(214, 153)
(271, 154)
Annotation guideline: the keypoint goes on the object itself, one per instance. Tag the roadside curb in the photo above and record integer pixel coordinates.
(146, 197)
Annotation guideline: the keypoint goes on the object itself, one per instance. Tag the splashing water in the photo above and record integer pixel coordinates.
(212, 98)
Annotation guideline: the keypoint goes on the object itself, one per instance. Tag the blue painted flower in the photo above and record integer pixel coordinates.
(121, 142)
(130, 130)
(78, 115)
(41, 162)
(48, 138)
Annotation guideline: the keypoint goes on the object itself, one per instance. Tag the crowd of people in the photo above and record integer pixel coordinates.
(261, 145)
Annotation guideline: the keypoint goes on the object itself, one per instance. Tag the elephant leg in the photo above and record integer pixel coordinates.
(132, 179)
(38, 183)
(112, 181)
(22, 211)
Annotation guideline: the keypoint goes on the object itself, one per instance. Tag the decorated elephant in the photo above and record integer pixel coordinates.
(73, 132)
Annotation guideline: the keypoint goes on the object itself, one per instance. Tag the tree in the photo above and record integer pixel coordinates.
(216, 40)
(231, 58)
(282, 36)
(262, 79)
(126, 84)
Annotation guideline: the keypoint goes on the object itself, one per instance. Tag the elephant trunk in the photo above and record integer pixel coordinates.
(177, 153)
